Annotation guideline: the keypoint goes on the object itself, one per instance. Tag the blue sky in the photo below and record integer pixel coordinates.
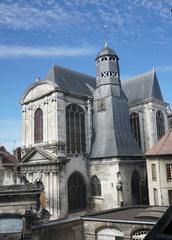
(35, 34)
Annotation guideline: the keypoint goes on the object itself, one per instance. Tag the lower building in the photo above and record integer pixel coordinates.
(159, 171)
(127, 223)
(163, 229)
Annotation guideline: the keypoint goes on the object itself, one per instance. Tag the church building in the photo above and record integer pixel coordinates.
(85, 137)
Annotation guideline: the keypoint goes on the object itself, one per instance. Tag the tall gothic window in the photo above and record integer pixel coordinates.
(135, 125)
(75, 129)
(160, 124)
(135, 188)
(95, 187)
(38, 126)
(77, 197)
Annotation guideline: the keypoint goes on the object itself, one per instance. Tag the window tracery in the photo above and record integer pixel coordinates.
(76, 192)
(75, 129)
(160, 124)
(95, 186)
(135, 125)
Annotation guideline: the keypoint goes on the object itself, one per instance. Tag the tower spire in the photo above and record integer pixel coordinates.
(105, 36)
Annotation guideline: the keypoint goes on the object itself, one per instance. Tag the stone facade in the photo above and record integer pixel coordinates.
(147, 119)
(121, 162)
(125, 223)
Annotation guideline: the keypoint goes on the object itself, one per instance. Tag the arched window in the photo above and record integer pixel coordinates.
(95, 186)
(77, 197)
(109, 234)
(135, 125)
(38, 126)
(75, 129)
(160, 124)
(140, 234)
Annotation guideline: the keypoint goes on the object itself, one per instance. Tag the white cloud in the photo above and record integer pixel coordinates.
(19, 51)
(164, 68)
(126, 20)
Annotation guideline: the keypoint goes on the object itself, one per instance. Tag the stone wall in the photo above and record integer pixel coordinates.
(161, 183)
(147, 116)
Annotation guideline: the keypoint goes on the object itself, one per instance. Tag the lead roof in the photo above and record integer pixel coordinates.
(106, 51)
(163, 147)
(141, 87)
(137, 89)
(71, 81)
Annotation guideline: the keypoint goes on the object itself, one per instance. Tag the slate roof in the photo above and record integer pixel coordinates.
(115, 137)
(163, 147)
(8, 158)
(137, 89)
(134, 213)
(71, 81)
(141, 87)
(163, 229)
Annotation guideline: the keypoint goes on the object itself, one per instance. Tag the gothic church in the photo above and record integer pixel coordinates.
(85, 138)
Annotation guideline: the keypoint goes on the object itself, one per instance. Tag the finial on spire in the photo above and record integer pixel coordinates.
(37, 79)
(105, 35)
(106, 44)
(153, 69)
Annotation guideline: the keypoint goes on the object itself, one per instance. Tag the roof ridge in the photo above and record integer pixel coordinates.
(153, 79)
(134, 77)
(74, 71)
(160, 143)
(168, 133)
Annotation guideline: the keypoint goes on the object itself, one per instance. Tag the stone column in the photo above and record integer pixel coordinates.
(55, 194)
(150, 127)
(45, 121)
(23, 126)
(78, 232)
(63, 199)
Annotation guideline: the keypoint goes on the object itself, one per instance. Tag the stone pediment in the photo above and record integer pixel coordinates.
(38, 155)
(37, 90)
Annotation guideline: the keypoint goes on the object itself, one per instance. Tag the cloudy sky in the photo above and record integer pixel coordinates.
(35, 34)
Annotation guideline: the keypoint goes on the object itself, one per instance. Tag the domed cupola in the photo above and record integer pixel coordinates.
(107, 67)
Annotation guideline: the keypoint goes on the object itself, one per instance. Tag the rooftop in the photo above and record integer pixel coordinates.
(141, 87)
(8, 158)
(106, 51)
(163, 147)
(71, 81)
(131, 214)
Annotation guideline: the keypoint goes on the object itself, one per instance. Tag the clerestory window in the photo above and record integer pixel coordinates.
(160, 124)
(75, 129)
(135, 125)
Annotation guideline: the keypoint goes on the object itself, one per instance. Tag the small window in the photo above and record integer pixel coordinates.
(153, 172)
(160, 124)
(170, 197)
(95, 186)
(101, 105)
(169, 172)
(155, 192)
